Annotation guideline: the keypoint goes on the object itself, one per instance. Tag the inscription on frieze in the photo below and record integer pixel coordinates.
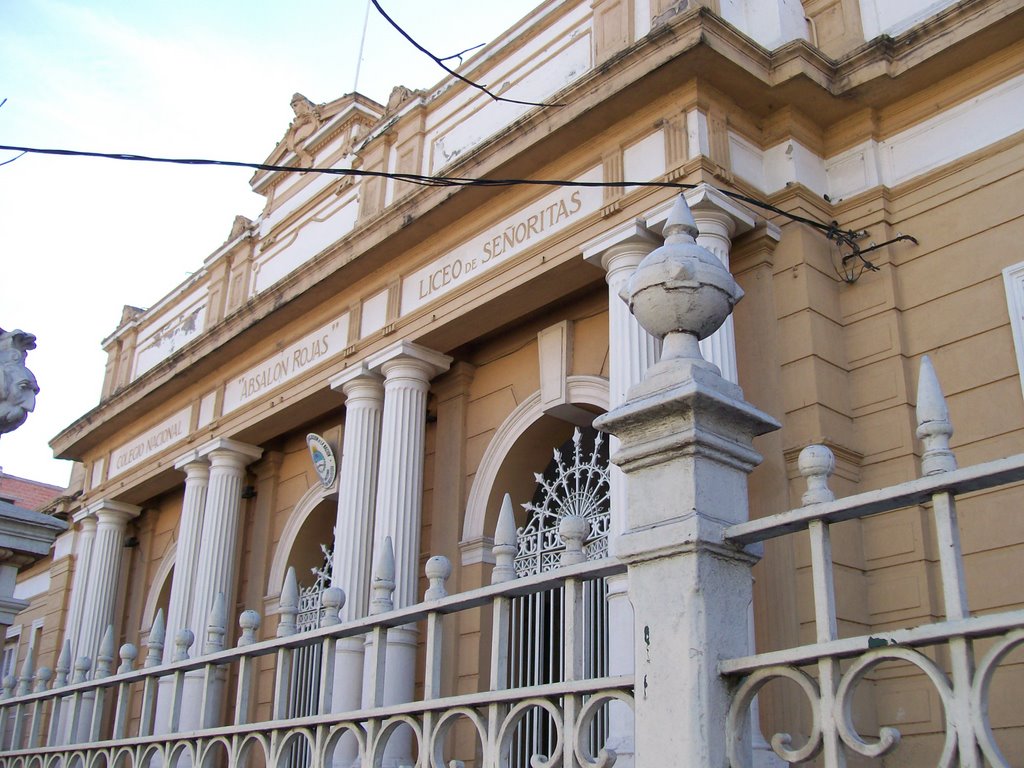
(524, 229)
(306, 353)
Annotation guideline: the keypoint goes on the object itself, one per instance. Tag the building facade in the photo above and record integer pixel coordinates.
(450, 345)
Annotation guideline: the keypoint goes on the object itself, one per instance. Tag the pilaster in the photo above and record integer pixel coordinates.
(631, 350)
(719, 220)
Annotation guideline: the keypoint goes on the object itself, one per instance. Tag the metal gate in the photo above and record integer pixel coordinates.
(304, 692)
(575, 483)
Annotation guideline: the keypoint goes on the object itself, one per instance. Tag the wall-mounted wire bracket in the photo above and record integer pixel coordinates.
(852, 261)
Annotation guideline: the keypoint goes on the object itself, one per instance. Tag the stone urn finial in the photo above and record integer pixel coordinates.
(681, 292)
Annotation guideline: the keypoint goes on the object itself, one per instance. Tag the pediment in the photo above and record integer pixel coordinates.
(314, 127)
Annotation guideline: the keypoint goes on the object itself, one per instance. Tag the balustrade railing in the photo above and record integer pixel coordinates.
(829, 671)
(89, 720)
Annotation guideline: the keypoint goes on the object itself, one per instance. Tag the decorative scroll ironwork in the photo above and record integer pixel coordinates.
(94, 715)
(961, 683)
(575, 483)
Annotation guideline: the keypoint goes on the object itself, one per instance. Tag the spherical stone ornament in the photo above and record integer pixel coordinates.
(681, 288)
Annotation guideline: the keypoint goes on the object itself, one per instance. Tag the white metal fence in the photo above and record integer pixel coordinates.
(829, 671)
(108, 721)
(98, 710)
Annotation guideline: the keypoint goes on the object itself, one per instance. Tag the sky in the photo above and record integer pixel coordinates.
(80, 238)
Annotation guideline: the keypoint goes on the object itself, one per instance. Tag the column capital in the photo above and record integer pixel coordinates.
(706, 203)
(632, 239)
(358, 382)
(407, 354)
(229, 451)
(108, 510)
(192, 463)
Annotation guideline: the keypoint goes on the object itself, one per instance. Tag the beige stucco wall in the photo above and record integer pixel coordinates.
(835, 362)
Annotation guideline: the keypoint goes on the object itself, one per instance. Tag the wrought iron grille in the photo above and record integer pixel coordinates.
(307, 659)
(575, 483)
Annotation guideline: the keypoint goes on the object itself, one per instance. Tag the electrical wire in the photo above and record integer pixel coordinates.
(831, 230)
(449, 70)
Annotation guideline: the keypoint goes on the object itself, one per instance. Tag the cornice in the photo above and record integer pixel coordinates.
(697, 43)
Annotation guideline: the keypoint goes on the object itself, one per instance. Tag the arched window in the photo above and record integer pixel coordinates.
(575, 483)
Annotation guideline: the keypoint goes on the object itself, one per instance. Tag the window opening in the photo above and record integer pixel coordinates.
(575, 483)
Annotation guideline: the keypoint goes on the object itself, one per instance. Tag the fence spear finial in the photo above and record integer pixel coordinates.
(183, 640)
(573, 530)
(155, 644)
(43, 677)
(217, 626)
(504, 543)
(933, 425)
(60, 679)
(105, 654)
(128, 653)
(289, 605)
(333, 600)
(383, 585)
(28, 669)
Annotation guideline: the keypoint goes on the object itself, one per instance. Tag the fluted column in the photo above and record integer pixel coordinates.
(218, 547)
(631, 351)
(104, 572)
(353, 531)
(216, 561)
(407, 369)
(186, 557)
(719, 219)
(80, 583)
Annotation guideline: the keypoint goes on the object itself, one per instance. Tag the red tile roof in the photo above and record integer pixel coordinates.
(26, 493)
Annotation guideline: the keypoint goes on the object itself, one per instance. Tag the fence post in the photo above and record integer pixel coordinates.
(686, 445)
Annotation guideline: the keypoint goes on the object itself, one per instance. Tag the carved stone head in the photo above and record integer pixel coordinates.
(18, 387)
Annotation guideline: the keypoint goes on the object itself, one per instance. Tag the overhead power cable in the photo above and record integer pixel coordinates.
(831, 230)
(449, 70)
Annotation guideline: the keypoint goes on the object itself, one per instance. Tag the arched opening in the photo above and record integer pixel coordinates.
(159, 595)
(310, 556)
(576, 483)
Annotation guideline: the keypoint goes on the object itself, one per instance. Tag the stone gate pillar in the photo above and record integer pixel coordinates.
(686, 448)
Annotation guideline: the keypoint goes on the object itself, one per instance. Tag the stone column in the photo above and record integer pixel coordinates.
(631, 351)
(353, 531)
(186, 562)
(186, 557)
(686, 447)
(407, 369)
(104, 572)
(218, 547)
(217, 561)
(719, 219)
(80, 581)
